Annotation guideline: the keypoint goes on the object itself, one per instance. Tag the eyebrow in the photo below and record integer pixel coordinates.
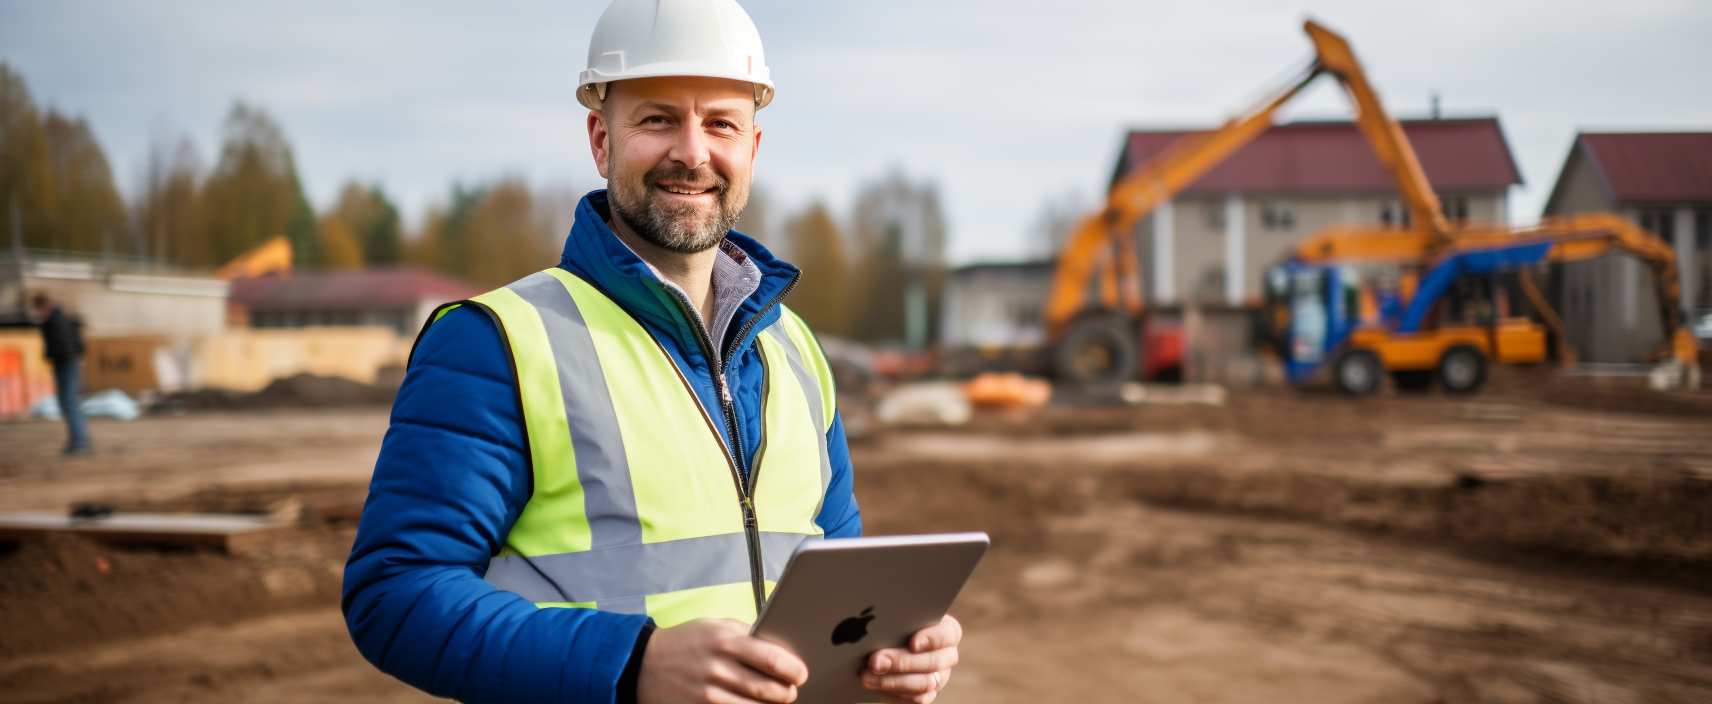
(652, 105)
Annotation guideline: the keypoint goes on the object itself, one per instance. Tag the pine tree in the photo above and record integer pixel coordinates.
(818, 249)
(254, 193)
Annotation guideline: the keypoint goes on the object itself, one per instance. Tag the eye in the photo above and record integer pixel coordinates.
(655, 120)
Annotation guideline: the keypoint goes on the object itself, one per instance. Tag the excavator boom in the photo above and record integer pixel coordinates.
(1105, 235)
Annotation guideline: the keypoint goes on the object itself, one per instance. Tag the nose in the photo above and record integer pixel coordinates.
(690, 147)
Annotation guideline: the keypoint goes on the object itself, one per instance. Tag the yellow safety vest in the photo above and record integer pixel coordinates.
(638, 507)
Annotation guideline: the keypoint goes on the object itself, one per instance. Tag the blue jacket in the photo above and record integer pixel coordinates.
(452, 478)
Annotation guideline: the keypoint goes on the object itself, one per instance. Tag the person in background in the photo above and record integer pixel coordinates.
(62, 344)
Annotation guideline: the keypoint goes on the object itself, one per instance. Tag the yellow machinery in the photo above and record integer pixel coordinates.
(1319, 312)
(1441, 309)
(1095, 342)
(270, 257)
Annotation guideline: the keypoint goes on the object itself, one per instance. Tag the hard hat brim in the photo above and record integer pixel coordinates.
(592, 99)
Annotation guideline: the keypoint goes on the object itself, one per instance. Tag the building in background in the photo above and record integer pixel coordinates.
(1661, 181)
(990, 317)
(394, 297)
(1213, 240)
(133, 311)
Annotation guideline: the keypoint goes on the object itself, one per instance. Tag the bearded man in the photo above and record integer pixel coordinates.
(594, 475)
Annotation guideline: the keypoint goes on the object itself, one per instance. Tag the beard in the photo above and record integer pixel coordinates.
(682, 228)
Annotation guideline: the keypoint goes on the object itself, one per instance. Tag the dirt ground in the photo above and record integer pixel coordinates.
(1546, 541)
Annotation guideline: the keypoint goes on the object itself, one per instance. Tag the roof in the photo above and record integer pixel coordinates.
(372, 288)
(1652, 166)
(1308, 157)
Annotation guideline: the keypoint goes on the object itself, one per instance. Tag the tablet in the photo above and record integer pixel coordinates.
(838, 601)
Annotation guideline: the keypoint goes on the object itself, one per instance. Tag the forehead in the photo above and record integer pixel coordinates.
(685, 93)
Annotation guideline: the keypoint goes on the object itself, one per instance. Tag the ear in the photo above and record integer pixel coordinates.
(600, 141)
(755, 146)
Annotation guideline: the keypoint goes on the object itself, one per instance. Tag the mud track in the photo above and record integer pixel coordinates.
(1527, 545)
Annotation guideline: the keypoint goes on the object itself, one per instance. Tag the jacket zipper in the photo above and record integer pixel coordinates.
(734, 450)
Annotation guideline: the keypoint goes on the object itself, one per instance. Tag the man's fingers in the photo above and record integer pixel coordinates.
(768, 658)
(890, 660)
(716, 694)
(751, 685)
(907, 685)
(945, 634)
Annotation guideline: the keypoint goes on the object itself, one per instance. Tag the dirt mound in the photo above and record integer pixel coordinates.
(308, 390)
(300, 391)
(65, 591)
(1608, 394)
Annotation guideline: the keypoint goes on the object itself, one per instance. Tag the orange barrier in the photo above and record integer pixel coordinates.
(1007, 390)
(19, 389)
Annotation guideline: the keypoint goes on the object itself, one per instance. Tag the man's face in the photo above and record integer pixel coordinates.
(678, 154)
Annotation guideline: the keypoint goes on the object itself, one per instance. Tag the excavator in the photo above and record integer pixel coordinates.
(1094, 340)
(1435, 306)
(1361, 303)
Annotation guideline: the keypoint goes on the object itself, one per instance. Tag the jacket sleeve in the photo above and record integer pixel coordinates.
(839, 517)
(451, 479)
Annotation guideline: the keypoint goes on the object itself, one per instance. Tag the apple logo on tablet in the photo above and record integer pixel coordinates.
(852, 629)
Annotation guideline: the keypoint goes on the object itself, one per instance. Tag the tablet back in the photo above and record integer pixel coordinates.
(838, 601)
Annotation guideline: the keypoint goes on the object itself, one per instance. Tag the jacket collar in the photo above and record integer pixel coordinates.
(597, 256)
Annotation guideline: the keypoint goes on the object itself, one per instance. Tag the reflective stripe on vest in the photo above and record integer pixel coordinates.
(636, 506)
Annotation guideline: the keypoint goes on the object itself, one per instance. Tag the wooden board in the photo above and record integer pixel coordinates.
(229, 532)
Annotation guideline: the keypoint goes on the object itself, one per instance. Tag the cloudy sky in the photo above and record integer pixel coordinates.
(1004, 105)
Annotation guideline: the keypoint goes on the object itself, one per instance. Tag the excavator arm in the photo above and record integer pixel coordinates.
(1100, 244)
(1593, 235)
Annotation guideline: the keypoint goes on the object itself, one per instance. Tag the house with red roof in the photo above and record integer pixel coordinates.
(1661, 181)
(1213, 241)
(399, 297)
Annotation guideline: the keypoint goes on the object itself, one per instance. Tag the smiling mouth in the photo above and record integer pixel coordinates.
(683, 190)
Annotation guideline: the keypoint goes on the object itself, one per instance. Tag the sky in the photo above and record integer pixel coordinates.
(1004, 106)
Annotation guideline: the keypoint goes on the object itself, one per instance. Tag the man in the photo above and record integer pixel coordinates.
(594, 475)
(62, 345)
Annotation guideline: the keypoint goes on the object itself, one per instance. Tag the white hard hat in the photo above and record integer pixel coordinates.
(645, 38)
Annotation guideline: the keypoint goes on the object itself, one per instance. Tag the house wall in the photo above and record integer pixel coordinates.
(1609, 305)
(1578, 189)
(1198, 234)
(129, 304)
(998, 307)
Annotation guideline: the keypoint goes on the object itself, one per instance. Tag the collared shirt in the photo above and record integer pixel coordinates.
(735, 278)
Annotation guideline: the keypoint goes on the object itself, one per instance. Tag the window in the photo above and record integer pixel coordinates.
(1393, 213)
(1454, 207)
(1215, 213)
(1278, 215)
(1661, 222)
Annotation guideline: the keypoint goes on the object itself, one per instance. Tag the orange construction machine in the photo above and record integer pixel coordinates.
(1096, 318)
(1424, 308)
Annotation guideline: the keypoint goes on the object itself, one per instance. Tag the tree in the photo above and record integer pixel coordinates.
(169, 214)
(54, 177)
(899, 234)
(26, 179)
(88, 214)
(337, 246)
(754, 221)
(818, 249)
(373, 222)
(489, 234)
(1056, 220)
(254, 193)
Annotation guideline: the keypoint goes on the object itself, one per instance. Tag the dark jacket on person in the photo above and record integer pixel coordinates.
(62, 337)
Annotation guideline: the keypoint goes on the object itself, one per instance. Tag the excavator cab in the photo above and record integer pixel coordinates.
(1310, 311)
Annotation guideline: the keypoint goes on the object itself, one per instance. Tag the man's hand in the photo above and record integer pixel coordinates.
(918, 673)
(716, 661)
